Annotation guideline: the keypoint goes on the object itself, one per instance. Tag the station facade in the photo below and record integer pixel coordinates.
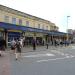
(16, 24)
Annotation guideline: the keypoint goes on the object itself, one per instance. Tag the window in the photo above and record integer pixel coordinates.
(20, 21)
(42, 26)
(13, 20)
(6, 19)
(47, 27)
(39, 26)
(27, 23)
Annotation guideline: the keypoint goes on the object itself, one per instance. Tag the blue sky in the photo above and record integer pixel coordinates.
(55, 11)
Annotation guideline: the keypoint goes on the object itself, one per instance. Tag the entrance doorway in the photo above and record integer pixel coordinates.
(13, 35)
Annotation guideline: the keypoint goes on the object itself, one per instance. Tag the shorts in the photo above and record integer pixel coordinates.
(12, 48)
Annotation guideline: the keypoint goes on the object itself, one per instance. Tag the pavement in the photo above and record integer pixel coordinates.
(4, 64)
(40, 48)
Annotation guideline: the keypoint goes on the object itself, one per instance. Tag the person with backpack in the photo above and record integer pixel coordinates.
(18, 49)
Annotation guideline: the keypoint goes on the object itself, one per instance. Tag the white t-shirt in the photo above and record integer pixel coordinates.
(13, 43)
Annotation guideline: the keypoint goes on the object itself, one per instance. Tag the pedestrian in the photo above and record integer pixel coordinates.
(18, 49)
(13, 44)
(37, 41)
(55, 42)
(34, 44)
(21, 41)
(65, 42)
(43, 42)
(47, 45)
(2, 45)
(24, 42)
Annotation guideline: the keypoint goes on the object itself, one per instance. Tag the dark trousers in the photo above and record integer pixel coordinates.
(47, 46)
(34, 47)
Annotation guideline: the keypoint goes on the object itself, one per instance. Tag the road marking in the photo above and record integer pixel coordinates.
(73, 47)
(40, 55)
(55, 59)
(61, 53)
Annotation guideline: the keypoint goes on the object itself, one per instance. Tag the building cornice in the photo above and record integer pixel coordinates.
(16, 12)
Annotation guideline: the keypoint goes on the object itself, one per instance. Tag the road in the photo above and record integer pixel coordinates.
(58, 61)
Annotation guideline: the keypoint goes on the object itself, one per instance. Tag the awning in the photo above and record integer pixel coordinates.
(9, 26)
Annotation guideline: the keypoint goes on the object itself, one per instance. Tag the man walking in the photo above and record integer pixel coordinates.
(18, 49)
(34, 44)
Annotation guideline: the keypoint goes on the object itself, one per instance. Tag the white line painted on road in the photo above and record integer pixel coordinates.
(61, 53)
(54, 51)
(55, 59)
(40, 55)
(72, 47)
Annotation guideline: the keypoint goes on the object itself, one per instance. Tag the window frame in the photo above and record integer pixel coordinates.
(20, 21)
(13, 20)
(6, 18)
(27, 23)
(39, 26)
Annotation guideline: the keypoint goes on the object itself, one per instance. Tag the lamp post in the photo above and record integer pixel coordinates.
(67, 28)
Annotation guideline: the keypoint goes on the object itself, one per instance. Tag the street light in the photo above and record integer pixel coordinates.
(67, 28)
